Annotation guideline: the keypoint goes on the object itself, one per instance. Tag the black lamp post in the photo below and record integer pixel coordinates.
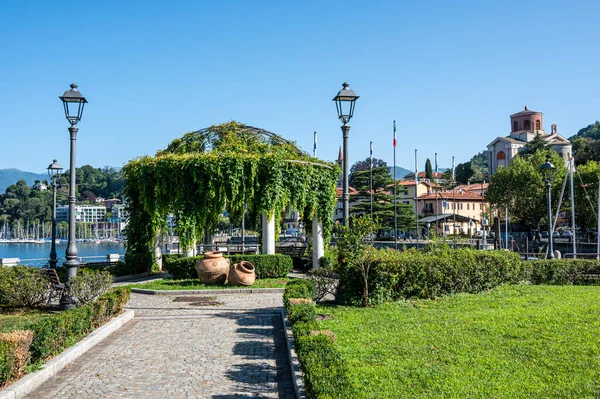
(73, 102)
(548, 171)
(54, 170)
(344, 102)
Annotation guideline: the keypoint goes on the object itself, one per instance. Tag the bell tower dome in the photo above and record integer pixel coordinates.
(526, 124)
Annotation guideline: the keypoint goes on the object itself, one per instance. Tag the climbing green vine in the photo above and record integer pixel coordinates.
(218, 169)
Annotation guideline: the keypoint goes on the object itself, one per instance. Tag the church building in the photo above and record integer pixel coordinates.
(525, 125)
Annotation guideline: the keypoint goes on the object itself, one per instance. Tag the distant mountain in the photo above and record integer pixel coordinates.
(11, 176)
(400, 172)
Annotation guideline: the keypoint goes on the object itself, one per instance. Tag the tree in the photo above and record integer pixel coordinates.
(428, 170)
(533, 146)
(586, 195)
(366, 165)
(463, 172)
(521, 187)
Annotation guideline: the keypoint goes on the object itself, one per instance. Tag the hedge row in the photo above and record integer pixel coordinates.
(51, 335)
(266, 266)
(325, 373)
(394, 275)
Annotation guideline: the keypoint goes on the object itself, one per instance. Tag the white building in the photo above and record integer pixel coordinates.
(83, 213)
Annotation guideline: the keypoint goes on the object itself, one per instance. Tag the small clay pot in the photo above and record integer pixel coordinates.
(242, 273)
(213, 268)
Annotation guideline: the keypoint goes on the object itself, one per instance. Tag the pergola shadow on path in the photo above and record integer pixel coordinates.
(225, 168)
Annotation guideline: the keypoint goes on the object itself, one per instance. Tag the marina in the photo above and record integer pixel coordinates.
(36, 253)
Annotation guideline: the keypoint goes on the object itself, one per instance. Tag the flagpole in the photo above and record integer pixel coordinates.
(416, 189)
(437, 205)
(395, 214)
(315, 145)
(371, 178)
(454, 203)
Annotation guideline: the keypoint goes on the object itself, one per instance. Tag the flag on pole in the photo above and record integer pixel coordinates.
(436, 165)
(315, 146)
(395, 134)
(371, 155)
(453, 176)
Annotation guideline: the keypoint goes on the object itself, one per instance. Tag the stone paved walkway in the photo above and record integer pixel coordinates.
(184, 348)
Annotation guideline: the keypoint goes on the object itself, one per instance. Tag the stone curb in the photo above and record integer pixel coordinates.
(209, 292)
(30, 382)
(293, 357)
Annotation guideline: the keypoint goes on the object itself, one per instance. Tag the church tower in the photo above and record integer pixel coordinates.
(525, 125)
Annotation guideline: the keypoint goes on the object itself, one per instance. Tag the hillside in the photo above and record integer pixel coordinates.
(11, 176)
(400, 172)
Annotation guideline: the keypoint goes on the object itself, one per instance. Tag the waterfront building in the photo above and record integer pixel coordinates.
(83, 213)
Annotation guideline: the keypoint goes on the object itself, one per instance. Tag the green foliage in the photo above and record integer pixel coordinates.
(563, 271)
(52, 335)
(222, 168)
(428, 170)
(586, 194)
(533, 146)
(395, 275)
(88, 285)
(586, 144)
(302, 312)
(521, 187)
(298, 288)
(22, 286)
(518, 342)
(266, 266)
(325, 373)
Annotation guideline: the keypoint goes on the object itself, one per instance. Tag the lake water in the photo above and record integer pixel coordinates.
(38, 254)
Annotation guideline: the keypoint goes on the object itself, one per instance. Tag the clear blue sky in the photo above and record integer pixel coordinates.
(449, 72)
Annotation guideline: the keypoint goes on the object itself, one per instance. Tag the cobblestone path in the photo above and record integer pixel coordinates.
(185, 347)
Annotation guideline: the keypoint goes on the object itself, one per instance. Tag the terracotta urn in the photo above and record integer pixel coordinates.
(242, 273)
(213, 268)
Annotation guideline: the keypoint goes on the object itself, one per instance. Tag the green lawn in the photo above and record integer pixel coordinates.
(194, 284)
(513, 342)
(17, 319)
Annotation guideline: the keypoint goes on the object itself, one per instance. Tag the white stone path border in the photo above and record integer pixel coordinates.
(30, 382)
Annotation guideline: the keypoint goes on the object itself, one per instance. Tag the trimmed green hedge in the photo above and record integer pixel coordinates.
(51, 335)
(325, 373)
(394, 275)
(563, 271)
(266, 266)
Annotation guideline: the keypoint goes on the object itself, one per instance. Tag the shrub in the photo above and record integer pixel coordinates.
(325, 373)
(266, 266)
(301, 312)
(89, 285)
(418, 274)
(298, 288)
(53, 334)
(14, 353)
(563, 271)
(23, 286)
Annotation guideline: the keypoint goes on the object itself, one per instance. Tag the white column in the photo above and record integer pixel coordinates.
(268, 234)
(188, 252)
(317, 241)
(158, 248)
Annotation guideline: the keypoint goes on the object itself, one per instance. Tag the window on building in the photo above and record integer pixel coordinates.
(527, 125)
(501, 155)
(515, 126)
(467, 207)
(538, 125)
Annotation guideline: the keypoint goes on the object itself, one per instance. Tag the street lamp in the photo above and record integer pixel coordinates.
(344, 102)
(548, 171)
(54, 170)
(73, 102)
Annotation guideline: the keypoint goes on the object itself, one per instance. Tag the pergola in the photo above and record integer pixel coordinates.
(223, 168)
